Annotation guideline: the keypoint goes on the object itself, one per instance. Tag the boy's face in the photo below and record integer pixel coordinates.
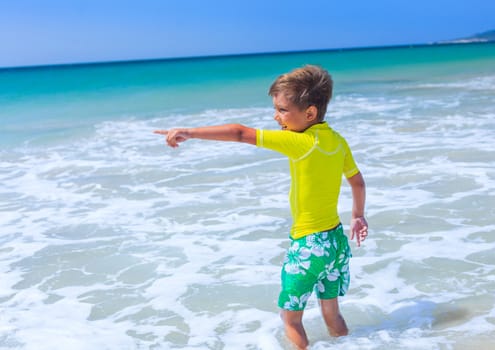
(289, 116)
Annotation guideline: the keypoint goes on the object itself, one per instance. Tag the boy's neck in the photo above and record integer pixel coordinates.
(313, 124)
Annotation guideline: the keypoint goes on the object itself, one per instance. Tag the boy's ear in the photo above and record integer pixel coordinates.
(311, 113)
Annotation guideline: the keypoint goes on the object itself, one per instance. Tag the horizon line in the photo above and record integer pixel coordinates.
(216, 56)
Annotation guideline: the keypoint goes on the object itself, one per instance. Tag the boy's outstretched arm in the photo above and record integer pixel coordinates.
(359, 226)
(227, 132)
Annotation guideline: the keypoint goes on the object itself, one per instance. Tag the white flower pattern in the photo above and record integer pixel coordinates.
(330, 253)
(297, 259)
(296, 303)
(318, 243)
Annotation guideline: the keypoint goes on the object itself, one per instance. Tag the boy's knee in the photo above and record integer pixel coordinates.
(291, 318)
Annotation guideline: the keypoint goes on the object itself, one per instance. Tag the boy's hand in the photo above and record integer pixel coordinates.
(174, 136)
(359, 229)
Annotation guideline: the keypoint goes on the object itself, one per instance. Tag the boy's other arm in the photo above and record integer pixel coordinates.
(227, 132)
(359, 226)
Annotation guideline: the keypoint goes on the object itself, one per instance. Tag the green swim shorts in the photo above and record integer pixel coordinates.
(319, 261)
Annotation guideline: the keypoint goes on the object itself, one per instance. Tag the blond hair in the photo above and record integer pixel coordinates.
(306, 86)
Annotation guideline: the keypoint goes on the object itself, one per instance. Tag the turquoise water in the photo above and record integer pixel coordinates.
(110, 240)
(81, 95)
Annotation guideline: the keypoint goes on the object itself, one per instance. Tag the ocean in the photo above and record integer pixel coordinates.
(111, 240)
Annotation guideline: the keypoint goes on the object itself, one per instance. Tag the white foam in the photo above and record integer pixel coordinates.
(485, 83)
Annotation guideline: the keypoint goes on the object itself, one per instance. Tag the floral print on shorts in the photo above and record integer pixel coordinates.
(319, 262)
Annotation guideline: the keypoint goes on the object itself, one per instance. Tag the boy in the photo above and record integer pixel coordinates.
(319, 253)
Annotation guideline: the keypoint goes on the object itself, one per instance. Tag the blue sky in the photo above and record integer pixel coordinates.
(36, 32)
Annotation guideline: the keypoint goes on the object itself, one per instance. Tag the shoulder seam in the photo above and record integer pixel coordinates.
(310, 150)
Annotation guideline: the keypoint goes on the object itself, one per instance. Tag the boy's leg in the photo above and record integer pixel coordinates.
(297, 286)
(335, 284)
(294, 328)
(333, 319)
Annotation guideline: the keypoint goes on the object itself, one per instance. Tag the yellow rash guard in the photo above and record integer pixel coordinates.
(318, 158)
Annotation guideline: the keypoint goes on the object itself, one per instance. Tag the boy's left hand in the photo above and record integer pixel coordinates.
(359, 229)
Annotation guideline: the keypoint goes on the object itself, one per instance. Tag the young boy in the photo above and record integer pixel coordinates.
(318, 257)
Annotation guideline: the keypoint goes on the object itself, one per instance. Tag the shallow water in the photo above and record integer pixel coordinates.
(110, 240)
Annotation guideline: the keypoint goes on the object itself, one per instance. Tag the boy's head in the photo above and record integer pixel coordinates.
(306, 86)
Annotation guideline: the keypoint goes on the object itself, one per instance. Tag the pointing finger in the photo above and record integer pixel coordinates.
(161, 132)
